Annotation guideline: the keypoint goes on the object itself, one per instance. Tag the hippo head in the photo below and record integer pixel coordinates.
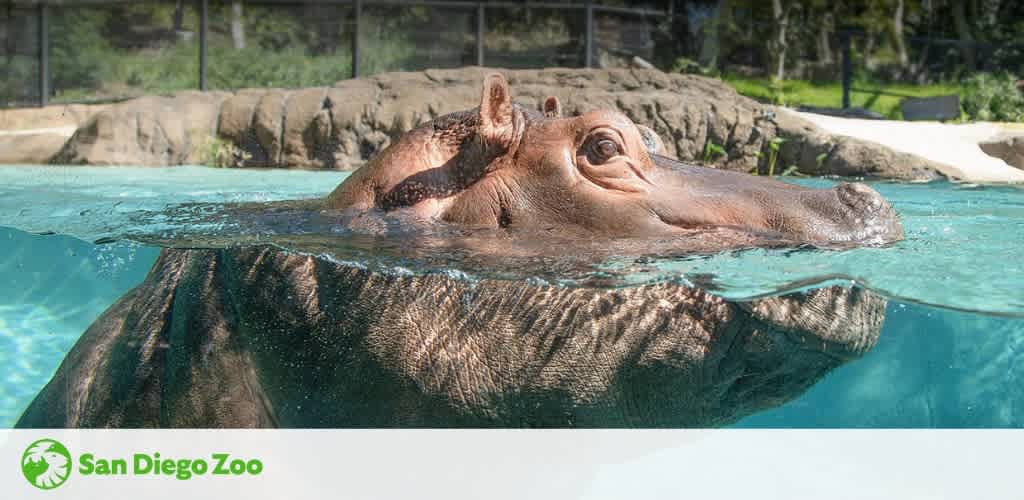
(503, 165)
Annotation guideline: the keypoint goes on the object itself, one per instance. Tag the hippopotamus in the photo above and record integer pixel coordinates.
(259, 336)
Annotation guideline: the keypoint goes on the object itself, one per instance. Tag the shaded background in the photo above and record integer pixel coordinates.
(781, 51)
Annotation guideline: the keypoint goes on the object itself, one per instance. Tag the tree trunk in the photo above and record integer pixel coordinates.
(781, 18)
(897, 35)
(237, 25)
(920, 69)
(869, 50)
(711, 46)
(179, 15)
(963, 30)
(824, 44)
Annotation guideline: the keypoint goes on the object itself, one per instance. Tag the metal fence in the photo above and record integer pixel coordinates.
(76, 51)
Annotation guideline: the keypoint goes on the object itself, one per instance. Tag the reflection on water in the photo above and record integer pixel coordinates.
(961, 252)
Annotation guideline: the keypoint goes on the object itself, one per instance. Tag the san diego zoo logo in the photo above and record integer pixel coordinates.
(47, 464)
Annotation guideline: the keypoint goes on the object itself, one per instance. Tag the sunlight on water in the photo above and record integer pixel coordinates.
(56, 286)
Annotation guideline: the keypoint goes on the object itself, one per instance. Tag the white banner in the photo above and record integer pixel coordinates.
(513, 464)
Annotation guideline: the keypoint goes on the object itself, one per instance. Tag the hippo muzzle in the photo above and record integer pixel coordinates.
(690, 196)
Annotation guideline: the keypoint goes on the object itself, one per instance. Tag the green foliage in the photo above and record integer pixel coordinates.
(131, 49)
(778, 93)
(79, 56)
(175, 68)
(992, 97)
(773, 155)
(216, 152)
(820, 160)
(881, 98)
(290, 67)
(687, 65)
(21, 79)
(712, 150)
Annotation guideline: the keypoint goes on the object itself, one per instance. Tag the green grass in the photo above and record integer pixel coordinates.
(881, 98)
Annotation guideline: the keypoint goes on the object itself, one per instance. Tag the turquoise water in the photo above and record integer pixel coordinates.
(947, 356)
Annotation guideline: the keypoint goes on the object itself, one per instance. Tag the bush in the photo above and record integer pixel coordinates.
(79, 54)
(21, 83)
(687, 65)
(992, 97)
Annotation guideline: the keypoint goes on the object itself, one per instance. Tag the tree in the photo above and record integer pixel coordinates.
(237, 25)
(179, 15)
(963, 31)
(823, 44)
(897, 35)
(711, 46)
(779, 43)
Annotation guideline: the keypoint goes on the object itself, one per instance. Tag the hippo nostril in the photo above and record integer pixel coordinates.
(860, 197)
(875, 220)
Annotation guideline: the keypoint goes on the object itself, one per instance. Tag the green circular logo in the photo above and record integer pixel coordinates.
(46, 464)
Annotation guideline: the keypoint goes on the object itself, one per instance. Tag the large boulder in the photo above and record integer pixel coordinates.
(147, 131)
(31, 148)
(342, 126)
(1006, 147)
(36, 135)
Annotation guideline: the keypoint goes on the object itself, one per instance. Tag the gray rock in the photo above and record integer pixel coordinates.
(30, 148)
(1006, 147)
(342, 126)
(146, 131)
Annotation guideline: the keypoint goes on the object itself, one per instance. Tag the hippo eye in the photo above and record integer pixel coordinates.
(602, 150)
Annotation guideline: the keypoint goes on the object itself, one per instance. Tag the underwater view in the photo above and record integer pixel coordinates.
(78, 238)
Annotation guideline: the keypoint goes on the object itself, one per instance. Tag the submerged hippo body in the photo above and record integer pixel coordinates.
(249, 337)
(259, 337)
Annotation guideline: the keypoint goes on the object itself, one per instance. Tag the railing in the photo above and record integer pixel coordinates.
(584, 12)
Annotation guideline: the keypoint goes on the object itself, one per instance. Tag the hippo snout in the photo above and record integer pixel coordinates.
(858, 196)
(871, 213)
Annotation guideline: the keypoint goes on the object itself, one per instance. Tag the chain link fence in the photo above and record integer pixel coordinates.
(82, 51)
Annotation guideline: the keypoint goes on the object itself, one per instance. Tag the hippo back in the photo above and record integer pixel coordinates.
(258, 337)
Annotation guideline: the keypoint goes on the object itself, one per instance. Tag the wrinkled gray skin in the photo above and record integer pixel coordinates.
(254, 337)
(257, 337)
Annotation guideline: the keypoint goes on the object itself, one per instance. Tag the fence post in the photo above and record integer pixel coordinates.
(481, 27)
(357, 6)
(44, 54)
(844, 40)
(204, 28)
(589, 35)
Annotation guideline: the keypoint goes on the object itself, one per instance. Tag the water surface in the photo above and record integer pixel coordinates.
(76, 238)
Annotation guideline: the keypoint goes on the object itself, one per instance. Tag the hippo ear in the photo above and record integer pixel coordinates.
(652, 141)
(551, 107)
(496, 113)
